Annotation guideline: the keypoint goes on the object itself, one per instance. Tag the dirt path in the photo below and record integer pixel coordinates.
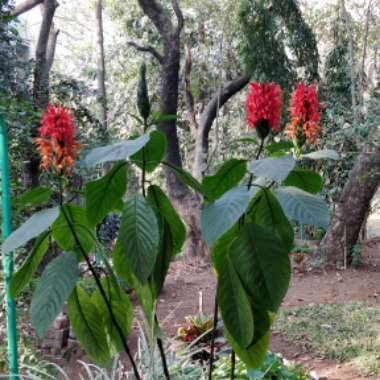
(181, 297)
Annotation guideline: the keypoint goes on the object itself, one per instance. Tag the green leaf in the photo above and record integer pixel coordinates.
(323, 154)
(152, 153)
(116, 152)
(274, 169)
(22, 277)
(88, 329)
(55, 286)
(263, 265)
(279, 146)
(139, 236)
(303, 207)
(104, 194)
(218, 217)
(35, 196)
(34, 226)
(247, 140)
(234, 304)
(172, 234)
(228, 176)
(185, 177)
(161, 203)
(122, 309)
(77, 221)
(267, 212)
(307, 180)
(143, 292)
(158, 117)
(254, 355)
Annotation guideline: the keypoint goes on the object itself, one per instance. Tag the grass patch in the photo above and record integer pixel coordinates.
(344, 332)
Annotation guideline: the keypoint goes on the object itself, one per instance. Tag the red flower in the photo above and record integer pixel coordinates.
(57, 144)
(263, 107)
(305, 116)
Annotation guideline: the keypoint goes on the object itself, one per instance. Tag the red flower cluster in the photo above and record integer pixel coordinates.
(57, 145)
(263, 107)
(305, 115)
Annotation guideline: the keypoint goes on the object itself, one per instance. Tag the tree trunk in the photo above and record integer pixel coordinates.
(101, 70)
(45, 51)
(353, 205)
(185, 202)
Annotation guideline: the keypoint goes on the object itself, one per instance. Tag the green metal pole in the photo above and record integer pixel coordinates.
(8, 258)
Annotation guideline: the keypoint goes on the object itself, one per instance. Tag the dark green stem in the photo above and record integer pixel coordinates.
(233, 363)
(257, 157)
(213, 337)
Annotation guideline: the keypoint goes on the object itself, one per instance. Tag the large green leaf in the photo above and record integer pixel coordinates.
(77, 221)
(263, 265)
(322, 154)
(304, 179)
(139, 236)
(116, 152)
(172, 234)
(234, 304)
(303, 207)
(152, 153)
(34, 226)
(122, 309)
(144, 293)
(281, 146)
(185, 177)
(104, 194)
(267, 212)
(218, 217)
(228, 176)
(88, 327)
(55, 286)
(22, 277)
(254, 355)
(274, 169)
(161, 203)
(36, 196)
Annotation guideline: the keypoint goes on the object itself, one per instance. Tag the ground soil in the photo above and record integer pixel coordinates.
(190, 288)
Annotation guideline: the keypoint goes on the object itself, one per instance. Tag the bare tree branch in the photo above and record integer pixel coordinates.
(208, 116)
(179, 14)
(159, 16)
(365, 43)
(52, 43)
(147, 49)
(25, 6)
(42, 67)
(189, 99)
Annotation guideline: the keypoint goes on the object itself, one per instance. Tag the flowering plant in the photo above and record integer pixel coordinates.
(245, 221)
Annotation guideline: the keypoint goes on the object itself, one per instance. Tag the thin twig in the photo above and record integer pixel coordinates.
(147, 49)
(233, 363)
(213, 336)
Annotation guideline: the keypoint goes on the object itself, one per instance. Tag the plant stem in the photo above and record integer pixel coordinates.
(143, 163)
(163, 358)
(233, 362)
(103, 294)
(213, 336)
(257, 157)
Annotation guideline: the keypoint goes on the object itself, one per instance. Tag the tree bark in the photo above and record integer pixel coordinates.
(353, 205)
(25, 6)
(101, 67)
(365, 44)
(347, 24)
(224, 93)
(45, 51)
(186, 203)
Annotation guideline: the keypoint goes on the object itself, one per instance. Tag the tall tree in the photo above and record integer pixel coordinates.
(169, 61)
(363, 181)
(101, 67)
